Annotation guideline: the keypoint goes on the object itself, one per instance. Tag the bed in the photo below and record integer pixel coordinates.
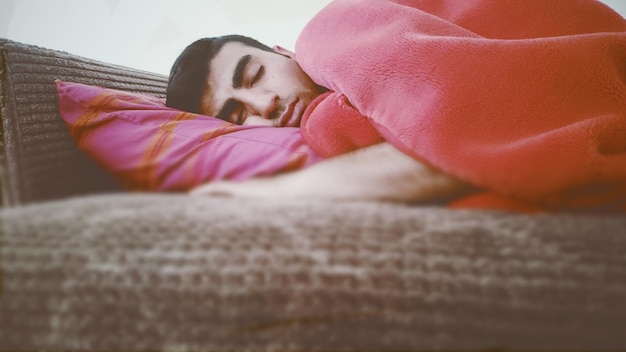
(86, 265)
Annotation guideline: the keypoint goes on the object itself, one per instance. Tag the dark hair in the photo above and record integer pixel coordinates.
(190, 70)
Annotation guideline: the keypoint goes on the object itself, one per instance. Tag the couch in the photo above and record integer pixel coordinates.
(86, 265)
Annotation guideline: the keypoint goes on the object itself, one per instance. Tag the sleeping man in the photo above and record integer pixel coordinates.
(249, 83)
(414, 101)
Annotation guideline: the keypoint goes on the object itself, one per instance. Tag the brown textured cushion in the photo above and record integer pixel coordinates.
(39, 159)
(171, 272)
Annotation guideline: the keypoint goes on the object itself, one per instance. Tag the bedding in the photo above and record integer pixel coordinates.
(150, 147)
(135, 271)
(526, 99)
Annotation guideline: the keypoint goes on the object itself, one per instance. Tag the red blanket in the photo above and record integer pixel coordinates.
(525, 98)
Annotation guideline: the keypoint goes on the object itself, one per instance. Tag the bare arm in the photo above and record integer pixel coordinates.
(379, 172)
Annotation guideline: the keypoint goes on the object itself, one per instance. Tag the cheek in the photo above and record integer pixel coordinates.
(297, 78)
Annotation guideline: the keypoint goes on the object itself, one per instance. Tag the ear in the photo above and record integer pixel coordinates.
(282, 51)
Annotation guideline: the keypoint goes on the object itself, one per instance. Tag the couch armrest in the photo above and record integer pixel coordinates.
(38, 159)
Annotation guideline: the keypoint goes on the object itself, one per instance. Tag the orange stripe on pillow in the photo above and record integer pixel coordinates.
(80, 128)
(146, 170)
(224, 128)
(156, 149)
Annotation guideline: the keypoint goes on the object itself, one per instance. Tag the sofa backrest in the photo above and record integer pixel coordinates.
(38, 159)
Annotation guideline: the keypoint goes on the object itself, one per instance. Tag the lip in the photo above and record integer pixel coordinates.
(293, 114)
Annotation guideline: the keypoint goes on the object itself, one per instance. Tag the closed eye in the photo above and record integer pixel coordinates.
(257, 76)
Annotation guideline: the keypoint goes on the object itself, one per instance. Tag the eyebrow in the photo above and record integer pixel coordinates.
(239, 71)
(231, 104)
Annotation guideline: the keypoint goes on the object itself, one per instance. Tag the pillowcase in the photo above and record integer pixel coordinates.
(150, 147)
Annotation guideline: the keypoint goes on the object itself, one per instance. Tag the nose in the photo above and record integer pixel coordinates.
(262, 104)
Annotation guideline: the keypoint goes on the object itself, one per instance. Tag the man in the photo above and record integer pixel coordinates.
(248, 83)
(240, 80)
(436, 79)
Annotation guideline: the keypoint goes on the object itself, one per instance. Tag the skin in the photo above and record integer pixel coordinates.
(376, 173)
(250, 86)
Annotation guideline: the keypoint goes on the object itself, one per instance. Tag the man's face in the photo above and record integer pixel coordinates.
(250, 86)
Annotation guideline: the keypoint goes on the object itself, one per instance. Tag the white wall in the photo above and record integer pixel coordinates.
(149, 34)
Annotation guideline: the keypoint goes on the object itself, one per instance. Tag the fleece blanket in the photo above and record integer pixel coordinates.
(523, 98)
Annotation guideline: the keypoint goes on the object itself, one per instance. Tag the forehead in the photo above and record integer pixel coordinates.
(221, 69)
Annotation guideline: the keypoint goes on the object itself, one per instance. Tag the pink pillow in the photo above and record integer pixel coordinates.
(148, 146)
